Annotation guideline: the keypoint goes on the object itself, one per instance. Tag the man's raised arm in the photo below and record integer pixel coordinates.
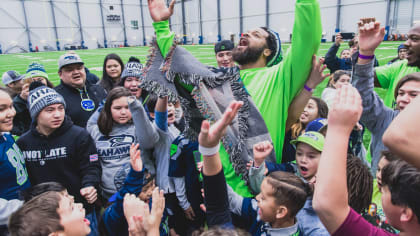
(160, 14)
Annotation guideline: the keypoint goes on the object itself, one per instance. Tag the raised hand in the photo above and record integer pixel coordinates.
(317, 73)
(152, 219)
(210, 135)
(338, 39)
(135, 159)
(135, 226)
(371, 34)
(346, 110)
(159, 11)
(261, 151)
(25, 92)
(134, 212)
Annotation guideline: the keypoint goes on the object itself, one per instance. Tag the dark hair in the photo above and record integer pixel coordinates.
(271, 42)
(105, 121)
(360, 184)
(151, 102)
(389, 156)
(289, 190)
(39, 216)
(38, 189)
(106, 82)
(338, 73)
(410, 77)
(298, 127)
(403, 181)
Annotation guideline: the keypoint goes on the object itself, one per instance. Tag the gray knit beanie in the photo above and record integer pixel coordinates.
(41, 97)
(133, 68)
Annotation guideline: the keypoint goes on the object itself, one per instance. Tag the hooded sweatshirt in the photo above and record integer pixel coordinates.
(113, 153)
(68, 156)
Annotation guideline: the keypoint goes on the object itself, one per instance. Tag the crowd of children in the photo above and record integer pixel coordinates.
(251, 151)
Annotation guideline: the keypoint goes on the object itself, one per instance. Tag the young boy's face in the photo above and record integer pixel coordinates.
(307, 159)
(52, 116)
(171, 113)
(267, 203)
(132, 84)
(381, 164)
(392, 212)
(72, 217)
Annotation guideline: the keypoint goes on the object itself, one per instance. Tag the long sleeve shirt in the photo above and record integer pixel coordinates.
(271, 88)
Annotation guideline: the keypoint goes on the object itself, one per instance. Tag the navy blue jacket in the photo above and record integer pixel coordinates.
(335, 63)
(73, 101)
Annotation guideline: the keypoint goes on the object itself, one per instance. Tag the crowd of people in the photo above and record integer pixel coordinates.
(175, 147)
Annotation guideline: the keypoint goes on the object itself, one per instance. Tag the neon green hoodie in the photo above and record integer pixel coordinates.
(271, 88)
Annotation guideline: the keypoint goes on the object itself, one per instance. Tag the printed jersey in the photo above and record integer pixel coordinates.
(14, 177)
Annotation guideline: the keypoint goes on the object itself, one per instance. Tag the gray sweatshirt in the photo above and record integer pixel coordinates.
(113, 153)
(157, 141)
(376, 116)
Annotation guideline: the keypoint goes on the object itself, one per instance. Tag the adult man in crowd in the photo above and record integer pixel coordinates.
(223, 50)
(82, 98)
(13, 81)
(388, 76)
(270, 81)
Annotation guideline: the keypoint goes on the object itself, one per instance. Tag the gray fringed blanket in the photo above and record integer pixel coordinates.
(205, 93)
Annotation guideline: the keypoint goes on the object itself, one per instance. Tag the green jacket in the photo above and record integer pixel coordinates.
(271, 88)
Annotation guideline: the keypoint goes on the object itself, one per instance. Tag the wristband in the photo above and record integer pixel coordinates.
(361, 56)
(307, 88)
(205, 151)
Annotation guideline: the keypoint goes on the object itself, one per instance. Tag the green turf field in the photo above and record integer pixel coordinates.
(93, 59)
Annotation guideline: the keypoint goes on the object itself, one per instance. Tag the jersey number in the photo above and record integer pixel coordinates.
(16, 159)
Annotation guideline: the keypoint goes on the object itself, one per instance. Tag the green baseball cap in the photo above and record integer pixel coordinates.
(313, 139)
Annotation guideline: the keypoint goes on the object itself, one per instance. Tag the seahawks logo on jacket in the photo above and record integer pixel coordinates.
(114, 147)
(117, 140)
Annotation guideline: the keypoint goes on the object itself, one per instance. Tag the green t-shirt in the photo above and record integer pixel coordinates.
(389, 76)
(271, 88)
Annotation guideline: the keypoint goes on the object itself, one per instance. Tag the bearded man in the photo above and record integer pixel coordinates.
(271, 82)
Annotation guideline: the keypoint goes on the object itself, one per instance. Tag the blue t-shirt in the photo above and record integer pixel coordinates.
(13, 177)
